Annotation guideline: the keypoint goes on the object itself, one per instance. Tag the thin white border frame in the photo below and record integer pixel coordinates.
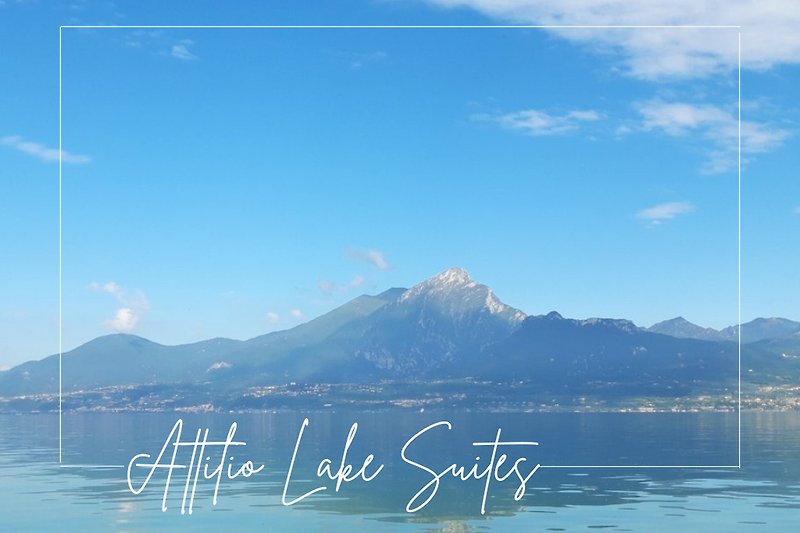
(510, 27)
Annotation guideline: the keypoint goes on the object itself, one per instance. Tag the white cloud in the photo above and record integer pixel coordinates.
(180, 50)
(273, 318)
(112, 288)
(357, 281)
(124, 320)
(715, 124)
(768, 28)
(296, 313)
(540, 123)
(48, 155)
(374, 257)
(659, 213)
(678, 118)
(133, 304)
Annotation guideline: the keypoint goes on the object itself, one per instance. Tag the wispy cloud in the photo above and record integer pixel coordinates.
(677, 118)
(359, 61)
(769, 29)
(273, 317)
(133, 304)
(375, 258)
(296, 313)
(714, 124)
(41, 152)
(797, 210)
(161, 43)
(140, 38)
(657, 214)
(540, 123)
(110, 287)
(180, 50)
(328, 287)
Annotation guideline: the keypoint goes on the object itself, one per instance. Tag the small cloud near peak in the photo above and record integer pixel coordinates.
(375, 258)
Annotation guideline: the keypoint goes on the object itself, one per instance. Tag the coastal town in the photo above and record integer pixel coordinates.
(466, 394)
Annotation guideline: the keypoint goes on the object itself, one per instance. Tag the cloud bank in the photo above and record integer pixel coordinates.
(714, 124)
(768, 28)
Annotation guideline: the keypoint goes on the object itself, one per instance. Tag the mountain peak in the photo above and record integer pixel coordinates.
(444, 284)
(454, 290)
(682, 328)
(453, 276)
(678, 320)
(761, 329)
(450, 282)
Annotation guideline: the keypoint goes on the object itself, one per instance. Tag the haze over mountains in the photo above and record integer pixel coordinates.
(448, 327)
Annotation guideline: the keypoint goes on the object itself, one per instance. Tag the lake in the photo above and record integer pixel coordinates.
(764, 495)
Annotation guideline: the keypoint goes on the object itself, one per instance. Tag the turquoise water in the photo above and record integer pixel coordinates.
(764, 495)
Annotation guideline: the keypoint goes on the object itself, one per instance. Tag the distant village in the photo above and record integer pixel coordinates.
(470, 395)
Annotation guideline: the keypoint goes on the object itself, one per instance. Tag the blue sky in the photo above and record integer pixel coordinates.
(234, 182)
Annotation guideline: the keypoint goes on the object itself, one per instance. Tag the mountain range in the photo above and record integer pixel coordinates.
(760, 329)
(448, 327)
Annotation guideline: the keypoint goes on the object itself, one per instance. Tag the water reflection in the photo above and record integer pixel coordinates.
(764, 492)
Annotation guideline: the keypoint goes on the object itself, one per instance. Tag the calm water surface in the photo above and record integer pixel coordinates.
(36, 494)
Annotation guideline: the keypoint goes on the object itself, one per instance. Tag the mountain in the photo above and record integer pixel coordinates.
(557, 352)
(397, 334)
(116, 360)
(762, 329)
(318, 350)
(446, 328)
(682, 328)
(323, 326)
(447, 318)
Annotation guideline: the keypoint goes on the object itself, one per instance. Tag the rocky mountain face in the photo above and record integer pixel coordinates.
(444, 319)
